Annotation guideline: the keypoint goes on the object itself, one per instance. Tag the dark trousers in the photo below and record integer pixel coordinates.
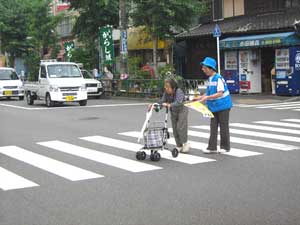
(179, 120)
(220, 118)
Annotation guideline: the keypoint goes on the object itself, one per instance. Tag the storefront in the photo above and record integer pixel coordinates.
(248, 61)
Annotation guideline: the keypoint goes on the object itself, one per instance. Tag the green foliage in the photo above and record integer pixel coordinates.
(83, 55)
(165, 71)
(164, 18)
(26, 29)
(94, 14)
(134, 65)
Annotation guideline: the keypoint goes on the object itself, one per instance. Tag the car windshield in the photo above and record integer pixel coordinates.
(8, 75)
(63, 71)
(86, 74)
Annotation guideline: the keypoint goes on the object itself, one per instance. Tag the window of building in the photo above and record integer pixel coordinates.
(65, 27)
(217, 8)
(233, 8)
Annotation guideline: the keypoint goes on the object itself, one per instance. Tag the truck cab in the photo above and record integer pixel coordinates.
(10, 84)
(58, 82)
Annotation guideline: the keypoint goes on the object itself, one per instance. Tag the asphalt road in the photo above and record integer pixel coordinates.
(258, 184)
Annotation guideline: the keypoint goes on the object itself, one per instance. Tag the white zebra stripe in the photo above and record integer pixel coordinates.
(129, 146)
(11, 181)
(50, 165)
(266, 128)
(292, 120)
(257, 134)
(246, 141)
(200, 146)
(281, 124)
(101, 157)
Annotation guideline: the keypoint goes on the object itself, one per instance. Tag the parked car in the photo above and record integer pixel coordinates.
(58, 82)
(94, 87)
(10, 84)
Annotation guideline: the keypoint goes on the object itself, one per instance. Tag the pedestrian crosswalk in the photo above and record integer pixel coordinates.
(262, 136)
(293, 106)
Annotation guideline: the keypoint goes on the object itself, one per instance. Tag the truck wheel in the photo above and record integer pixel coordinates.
(83, 103)
(49, 102)
(21, 98)
(29, 98)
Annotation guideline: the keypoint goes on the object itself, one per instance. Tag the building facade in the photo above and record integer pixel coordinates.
(256, 36)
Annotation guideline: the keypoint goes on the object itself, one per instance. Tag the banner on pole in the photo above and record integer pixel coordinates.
(107, 44)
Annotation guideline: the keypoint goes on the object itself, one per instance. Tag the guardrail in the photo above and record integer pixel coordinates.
(148, 88)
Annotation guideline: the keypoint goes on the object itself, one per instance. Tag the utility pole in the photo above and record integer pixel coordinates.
(123, 38)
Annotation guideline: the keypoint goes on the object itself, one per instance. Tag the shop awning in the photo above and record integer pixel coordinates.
(138, 39)
(263, 40)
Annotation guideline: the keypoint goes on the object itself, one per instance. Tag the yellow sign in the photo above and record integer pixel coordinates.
(139, 39)
(199, 107)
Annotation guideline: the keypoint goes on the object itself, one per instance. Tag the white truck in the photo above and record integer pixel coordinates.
(10, 84)
(58, 82)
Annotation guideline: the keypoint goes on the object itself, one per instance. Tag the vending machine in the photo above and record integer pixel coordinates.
(231, 74)
(287, 66)
(250, 71)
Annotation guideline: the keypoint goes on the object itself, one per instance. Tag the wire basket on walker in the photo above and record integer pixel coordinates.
(155, 136)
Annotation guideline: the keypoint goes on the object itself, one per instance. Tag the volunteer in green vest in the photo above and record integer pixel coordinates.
(218, 100)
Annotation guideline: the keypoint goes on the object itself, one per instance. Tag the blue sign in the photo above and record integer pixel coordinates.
(124, 48)
(217, 31)
(243, 77)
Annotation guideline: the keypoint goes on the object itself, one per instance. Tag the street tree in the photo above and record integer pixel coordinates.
(163, 19)
(92, 15)
(27, 29)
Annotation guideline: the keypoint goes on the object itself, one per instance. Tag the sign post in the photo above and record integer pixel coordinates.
(217, 34)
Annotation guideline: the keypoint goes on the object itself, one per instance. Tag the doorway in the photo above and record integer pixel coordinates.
(267, 63)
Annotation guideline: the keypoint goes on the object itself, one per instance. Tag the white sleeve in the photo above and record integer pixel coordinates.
(220, 85)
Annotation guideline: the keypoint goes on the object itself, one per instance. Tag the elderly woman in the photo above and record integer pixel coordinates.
(174, 98)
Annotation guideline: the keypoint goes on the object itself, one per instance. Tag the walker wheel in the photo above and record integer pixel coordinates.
(156, 157)
(152, 156)
(143, 155)
(175, 152)
(138, 155)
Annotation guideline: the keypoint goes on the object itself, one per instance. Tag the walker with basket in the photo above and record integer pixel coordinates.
(155, 136)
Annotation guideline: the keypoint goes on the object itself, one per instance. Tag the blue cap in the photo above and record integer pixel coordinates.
(209, 62)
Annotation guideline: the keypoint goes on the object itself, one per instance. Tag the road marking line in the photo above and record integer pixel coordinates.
(256, 134)
(279, 124)
(11, 181)
(129, 146)
(278, 106)
(74, 107)
(101, 157)
(292, 120)
(200, 146)
(50, 165)
(246, 141)
(267, 128)
(267, 105)
(290, 107)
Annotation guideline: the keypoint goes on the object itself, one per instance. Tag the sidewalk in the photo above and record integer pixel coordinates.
(262, 98)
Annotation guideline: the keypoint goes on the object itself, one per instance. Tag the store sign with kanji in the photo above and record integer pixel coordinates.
(107, 44)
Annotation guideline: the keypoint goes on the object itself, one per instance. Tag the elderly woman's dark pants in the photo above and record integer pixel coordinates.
(220, 119)
(179, 120)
